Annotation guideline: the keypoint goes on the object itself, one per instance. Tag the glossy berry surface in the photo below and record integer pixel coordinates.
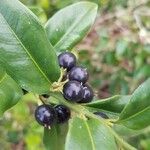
(63, 113)
(79, 74)
(88, 94)
(73, 91)
(101, 114)
(45, 115)
(67, 60)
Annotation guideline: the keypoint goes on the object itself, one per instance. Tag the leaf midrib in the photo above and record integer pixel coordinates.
(26, 50)
(3, 78)
(134, 115)
(72, 27)
(90, 135)
(104, 101)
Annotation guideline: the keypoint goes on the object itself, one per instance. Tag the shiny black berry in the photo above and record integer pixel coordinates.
(67, 60)
(79, 74)
(88, 94)
(63, 113)
(45, 115)
(73, 91)
(101, 114)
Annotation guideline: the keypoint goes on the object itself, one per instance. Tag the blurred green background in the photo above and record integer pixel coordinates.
(116, 53)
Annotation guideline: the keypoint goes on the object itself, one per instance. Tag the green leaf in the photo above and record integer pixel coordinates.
(121, 47)
(144, 71)
(69, 26)
(136, 115)
(89, 135)
(126, 132)
(10, 93)
(62, 130)
(54, 138)
(25, 51)
(113, 104)
(50, 138)
(39, 11)
(111, 115)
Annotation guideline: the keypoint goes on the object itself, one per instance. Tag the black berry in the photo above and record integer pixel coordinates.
(88, 94)
(63, 113)
(79, 74)
(73, 91)
(45, 95)
(101, 114)
(45, 115)
(67, 60)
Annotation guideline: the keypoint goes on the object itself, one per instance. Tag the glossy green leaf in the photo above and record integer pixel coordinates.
(62, 130)
(50, 139)
(89, 135)
(54, 138)
(10, 93)
(112, 104)
(125, 132)
(69, 26)
(25, 51)
(136, 115)
(111, 115)
(39, 12)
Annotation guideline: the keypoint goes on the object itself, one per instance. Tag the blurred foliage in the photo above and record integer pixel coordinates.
(51, 6)
(117, 55)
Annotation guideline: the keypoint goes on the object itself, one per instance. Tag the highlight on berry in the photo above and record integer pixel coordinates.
(76, 89)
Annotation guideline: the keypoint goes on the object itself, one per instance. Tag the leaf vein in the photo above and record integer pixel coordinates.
(90, 135)
(3, 78)
(26, 50)
(136, 114)
(72, 27)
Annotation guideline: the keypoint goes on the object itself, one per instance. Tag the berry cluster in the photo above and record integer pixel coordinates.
(76, 89)
(46, 115)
